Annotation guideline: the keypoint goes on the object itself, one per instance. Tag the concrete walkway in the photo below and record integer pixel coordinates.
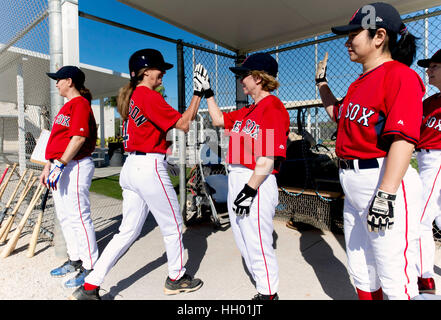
(312, 264)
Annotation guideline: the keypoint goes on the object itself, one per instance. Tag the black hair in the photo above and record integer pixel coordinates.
(402, 50)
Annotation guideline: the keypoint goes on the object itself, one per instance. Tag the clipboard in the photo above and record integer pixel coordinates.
(38, 155)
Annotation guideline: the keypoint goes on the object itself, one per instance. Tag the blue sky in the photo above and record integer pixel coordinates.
(110, 47)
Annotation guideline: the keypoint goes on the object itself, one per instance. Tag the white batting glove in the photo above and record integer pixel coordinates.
(202, 76)
(381, 212)
(243, 201)
(320, 74)
(197, 84)
(55, 174)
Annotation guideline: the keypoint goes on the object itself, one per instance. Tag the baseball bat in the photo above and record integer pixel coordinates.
(12, 243)
(4, 230)
(4, 173)
(3, 187)
(36, 231)
(8, 204)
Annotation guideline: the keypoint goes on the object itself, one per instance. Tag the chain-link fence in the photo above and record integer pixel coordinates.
(309, 187)
(310, 191)
(24, 110)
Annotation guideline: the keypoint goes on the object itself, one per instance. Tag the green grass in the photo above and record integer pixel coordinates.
(109, 186)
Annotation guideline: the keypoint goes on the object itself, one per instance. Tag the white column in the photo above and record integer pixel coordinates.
(56, 53)
(71, 42)
(102, 124)
(21, 118)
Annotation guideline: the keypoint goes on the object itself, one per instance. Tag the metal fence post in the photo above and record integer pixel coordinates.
(181, 134)
(55, 52)
(241, 98)
(56, 62)
(21, 118)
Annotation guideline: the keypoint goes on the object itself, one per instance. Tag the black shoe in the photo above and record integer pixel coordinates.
(83, 294)
(185, 284)
(260, 296)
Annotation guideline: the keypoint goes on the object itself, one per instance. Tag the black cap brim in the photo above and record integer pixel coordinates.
(52, 75)
(425, 63)
(240, 71)
(167, 66)
(346, 28)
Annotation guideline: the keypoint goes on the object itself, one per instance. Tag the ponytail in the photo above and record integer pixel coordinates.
(402, 50)
(125, 93)
(86, 94)
(123, 99)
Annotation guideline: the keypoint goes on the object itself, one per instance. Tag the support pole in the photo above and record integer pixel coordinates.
(181, 134)
(57, 101)
(21, 119)
(241, 97)
(56, 53)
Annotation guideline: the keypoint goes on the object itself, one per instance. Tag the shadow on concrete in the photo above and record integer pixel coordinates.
(330, 271)
(194, 239)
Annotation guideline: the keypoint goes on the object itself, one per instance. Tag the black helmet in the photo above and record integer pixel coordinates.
(147, 58)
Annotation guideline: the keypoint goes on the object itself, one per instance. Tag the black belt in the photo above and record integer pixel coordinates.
(419, 150)
(362, 163)
(140, 153)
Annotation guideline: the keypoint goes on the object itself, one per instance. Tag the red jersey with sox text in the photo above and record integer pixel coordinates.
(75, 118)
(381, 103)
(431, 125)
(149, 119)
(257, 130)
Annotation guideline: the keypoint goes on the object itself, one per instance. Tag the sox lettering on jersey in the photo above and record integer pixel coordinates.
(62, 120)
(355, 112)
(434, 123)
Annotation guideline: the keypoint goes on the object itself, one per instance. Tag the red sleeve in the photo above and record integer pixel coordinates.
(404, 91)
(159, 112)
(231, 117)
(275, 131)
(79, 119)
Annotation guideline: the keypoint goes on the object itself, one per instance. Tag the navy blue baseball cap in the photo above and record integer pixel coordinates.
(147, 58)
(373, 16)
(66, 72)
(425, 63)
(261, 61)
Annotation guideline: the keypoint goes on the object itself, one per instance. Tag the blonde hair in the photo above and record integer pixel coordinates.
(268, 82)
(125, 93)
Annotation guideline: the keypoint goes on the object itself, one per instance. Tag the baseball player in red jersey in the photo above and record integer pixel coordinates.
(378, 125)
(69, 173)
(144, 178)
(257, 143)
(429, 165)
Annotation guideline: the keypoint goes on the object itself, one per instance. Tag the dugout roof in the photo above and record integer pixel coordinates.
(252, 25)
(100, 81)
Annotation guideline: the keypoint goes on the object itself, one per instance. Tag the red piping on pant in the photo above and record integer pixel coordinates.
(407, 243)
(422, 216)
(174, 215)
(260, 237)
(81, 215)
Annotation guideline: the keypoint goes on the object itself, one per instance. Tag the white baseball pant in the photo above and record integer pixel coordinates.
(72, 206)
(429, 165)
(254, 233)
(383, 259)
(146, 187)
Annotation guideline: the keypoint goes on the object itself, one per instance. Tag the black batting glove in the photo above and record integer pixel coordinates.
(244, 200)
(381, 212)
